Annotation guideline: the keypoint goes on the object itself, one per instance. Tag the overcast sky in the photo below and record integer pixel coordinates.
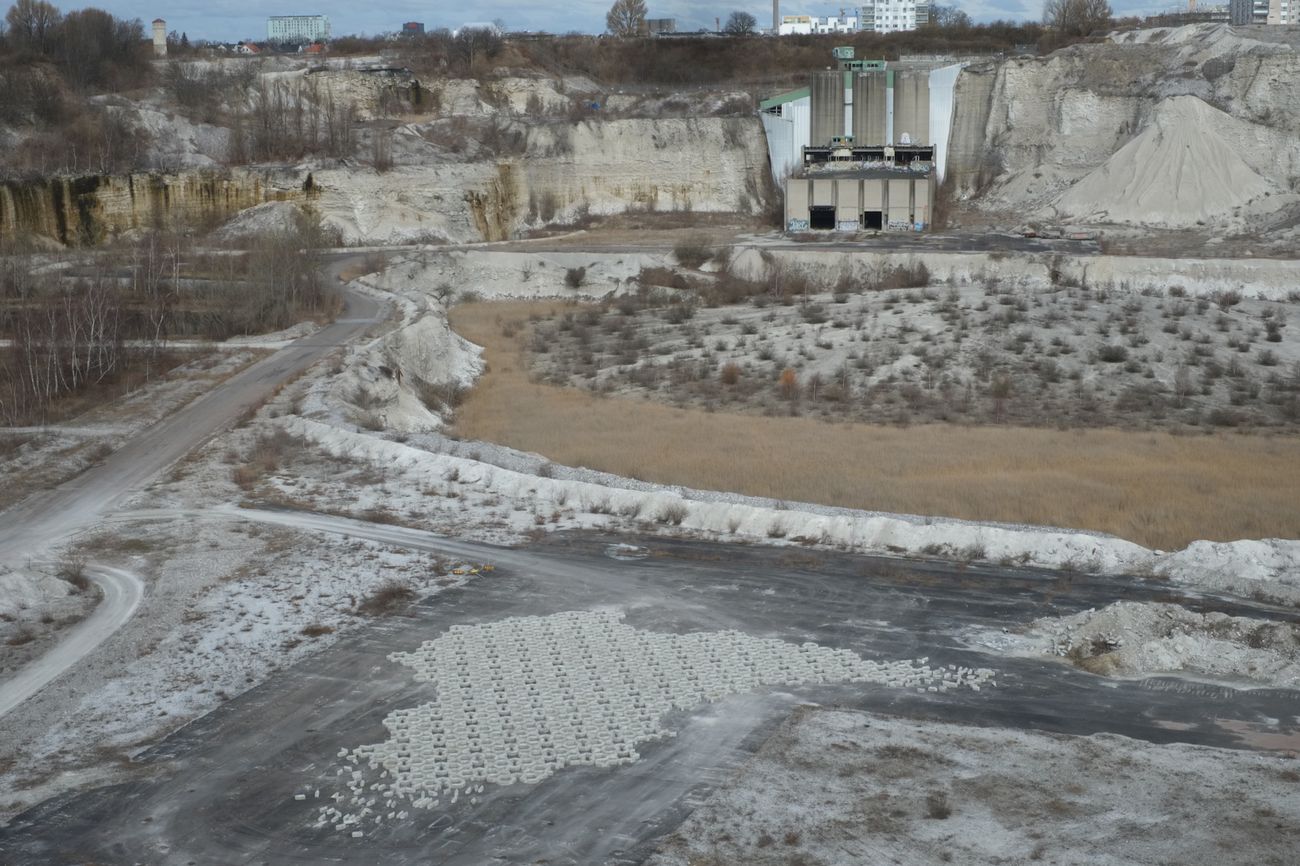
(241, 19)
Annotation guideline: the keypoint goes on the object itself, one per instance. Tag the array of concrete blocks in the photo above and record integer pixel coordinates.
(520, 698)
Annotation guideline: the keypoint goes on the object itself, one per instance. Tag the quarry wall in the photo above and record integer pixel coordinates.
(85, 210)
(568, 170)
(1027, 130)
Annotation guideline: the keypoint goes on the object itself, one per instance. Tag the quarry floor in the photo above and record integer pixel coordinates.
(223, 788)
(246, 781)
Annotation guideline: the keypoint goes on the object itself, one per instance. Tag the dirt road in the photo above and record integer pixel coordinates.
(122, 592)
(48, 518)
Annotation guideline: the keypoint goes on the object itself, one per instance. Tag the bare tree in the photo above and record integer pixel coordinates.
(1076, 18)
(626, 18)
(471, 43)
(949, 18)
(741, 23)
(33, 25)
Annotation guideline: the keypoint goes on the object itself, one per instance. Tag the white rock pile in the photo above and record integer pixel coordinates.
(521, 698)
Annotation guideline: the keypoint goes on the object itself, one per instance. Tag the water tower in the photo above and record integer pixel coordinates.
(159, 37)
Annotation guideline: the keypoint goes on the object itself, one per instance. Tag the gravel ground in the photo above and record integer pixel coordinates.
(1076, 356)
(847, 787)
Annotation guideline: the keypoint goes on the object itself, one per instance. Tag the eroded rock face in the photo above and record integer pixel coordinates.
(566, 170)
(1027, 130)
(86, 210)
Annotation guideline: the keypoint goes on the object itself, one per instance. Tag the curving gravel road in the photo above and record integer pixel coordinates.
(122, 592)
(51, 517)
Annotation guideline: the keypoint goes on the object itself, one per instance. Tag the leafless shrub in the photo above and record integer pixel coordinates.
(692, 253)
(672, 514)
(22, 636)
(937, 806)
(73, 570)
(575, 277)
(387, 599)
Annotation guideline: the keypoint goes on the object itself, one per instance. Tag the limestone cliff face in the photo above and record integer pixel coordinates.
(86, 210)
(1027, 129)
(714, 164)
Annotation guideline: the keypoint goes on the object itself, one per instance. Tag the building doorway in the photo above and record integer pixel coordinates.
(821, 217)
(873, 219)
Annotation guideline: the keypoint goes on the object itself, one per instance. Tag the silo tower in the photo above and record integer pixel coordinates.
(159, 37)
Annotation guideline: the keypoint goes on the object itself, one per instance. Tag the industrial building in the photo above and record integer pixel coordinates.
(863, 146)
(659, 26)
(413, 28)
(893, 16)
(859, 199)
(297, 29)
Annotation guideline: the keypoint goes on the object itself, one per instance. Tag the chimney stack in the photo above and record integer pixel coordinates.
(776, 17)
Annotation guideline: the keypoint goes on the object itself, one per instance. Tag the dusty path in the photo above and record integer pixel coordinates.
(122, 593)
(53, 516)
(49, 517)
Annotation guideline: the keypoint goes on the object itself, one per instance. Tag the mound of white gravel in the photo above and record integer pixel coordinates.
(1179, 172)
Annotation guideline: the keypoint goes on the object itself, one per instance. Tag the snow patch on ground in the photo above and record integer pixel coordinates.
(847, 787)
(521, 698)
(1269, 567)
(226, 605)
(679, 507)
(1139, 639)
(509, 274)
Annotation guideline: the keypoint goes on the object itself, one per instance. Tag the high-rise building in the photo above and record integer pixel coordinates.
(413, 28)
(806, 25)
(1264, 12)
(892, 16)
(297, 29)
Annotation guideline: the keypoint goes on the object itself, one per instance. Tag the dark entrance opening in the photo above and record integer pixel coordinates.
(873, 219)
(821, 217)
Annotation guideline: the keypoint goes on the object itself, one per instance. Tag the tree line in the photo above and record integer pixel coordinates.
(49, 63)
(65, 335)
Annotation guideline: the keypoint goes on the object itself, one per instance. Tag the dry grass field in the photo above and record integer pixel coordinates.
(1158, 489)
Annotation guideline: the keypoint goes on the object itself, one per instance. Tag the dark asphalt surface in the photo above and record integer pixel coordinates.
(220, 791)
(886, 242)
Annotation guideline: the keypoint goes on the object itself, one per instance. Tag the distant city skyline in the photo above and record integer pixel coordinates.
(233, 20)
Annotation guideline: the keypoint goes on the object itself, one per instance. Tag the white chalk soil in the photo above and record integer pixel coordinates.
(834, 787)
(225, 605)
(35, 603)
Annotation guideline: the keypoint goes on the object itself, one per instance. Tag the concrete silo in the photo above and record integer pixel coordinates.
(827, 92)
